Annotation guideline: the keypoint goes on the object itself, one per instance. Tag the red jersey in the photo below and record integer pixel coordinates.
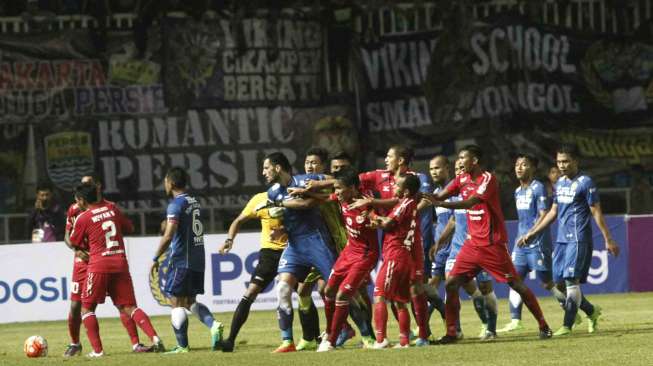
(405, 231)
(102, 226)
(485, 223)
(361, 239)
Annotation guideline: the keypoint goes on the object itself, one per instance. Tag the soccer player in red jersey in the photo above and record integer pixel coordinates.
(397, 161)
(355, 262)
(399, 252)
(100, 228)
(80, 265)
(486, 245)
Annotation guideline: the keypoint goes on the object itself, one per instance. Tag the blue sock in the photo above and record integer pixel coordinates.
(586, 306)
(202, 313)
(491, 319)
(285, 323)
(359, 316)
(571, 309)
(180, 326)
(479, 306)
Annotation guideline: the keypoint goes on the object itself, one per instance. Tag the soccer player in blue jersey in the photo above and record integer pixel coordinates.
(308, 238)
(532, 201)
(183, 241)
(576, 200)
(439, 171)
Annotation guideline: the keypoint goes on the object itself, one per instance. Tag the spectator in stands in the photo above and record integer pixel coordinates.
(47, 220)
(641, 192)
(553, 174)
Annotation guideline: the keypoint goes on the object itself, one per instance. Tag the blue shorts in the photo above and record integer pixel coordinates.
(533, 259)
(571, 261)
(482, 276)
(304, 252)
(438, 266)
(182, 282)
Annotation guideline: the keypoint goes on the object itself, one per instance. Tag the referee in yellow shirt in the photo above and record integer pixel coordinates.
(268, 260)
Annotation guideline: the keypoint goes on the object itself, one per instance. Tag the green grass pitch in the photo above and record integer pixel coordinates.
(624, 338)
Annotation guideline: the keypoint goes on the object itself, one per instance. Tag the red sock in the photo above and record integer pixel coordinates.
(451, 311)
(339, 318)
(130, 326)
(92, 331)
(421, 315)
(531, 302)
(404, 326)
(74, 323)
(380, 321)
(143, 321)
(329, 309)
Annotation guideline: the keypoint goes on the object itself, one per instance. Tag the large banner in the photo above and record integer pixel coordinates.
(505, 74)
(251, 61)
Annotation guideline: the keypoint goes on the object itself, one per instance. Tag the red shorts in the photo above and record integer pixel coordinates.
(117, 285)
(78, 283)
(494, 259)
(350, 272)
(393, 279)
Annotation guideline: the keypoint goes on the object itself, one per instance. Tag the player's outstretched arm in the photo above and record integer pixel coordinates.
(318, 185)
(234, 228)
(464, 204)
(299, 203)
(540, 225)
(444, 238)
(610, 244)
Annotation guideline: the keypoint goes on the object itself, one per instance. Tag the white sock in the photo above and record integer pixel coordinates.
(514, 298)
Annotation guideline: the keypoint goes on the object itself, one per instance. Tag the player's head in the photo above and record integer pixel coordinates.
(567, 160)
(44, 193)
(398, 156)
(439, 169)
(275, 164)
(85, 194)
(95, 180)
(525, 167)
(316, 160)
(176, 180)
(340, 160)
(346, 183)
(407, 186)
(471, 157)
(554, 174)
(459, 168)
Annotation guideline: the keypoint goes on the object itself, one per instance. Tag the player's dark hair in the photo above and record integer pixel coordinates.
(87, 191)
(42, 186)
(95, 177)
(320, 152)
(444, 158)
(277, 158)
(568, 149)
(178, 177)
(475, 151)
(341, 155)
(348, 176)
(411, 183)
(531, 159)
(403, 151)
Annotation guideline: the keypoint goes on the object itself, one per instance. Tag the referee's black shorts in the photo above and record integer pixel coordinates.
(266, 269)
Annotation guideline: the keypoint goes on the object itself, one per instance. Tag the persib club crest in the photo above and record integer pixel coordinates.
(69, 157)
(158, 280)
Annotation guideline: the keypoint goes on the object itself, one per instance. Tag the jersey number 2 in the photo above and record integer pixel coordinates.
(109, 232)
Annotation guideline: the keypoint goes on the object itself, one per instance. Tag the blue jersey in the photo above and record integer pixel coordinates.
(299, 222)
(187, 247)
(426, 214)
(574, 198)
(460, 232)
(530, 201)
(442, 216)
